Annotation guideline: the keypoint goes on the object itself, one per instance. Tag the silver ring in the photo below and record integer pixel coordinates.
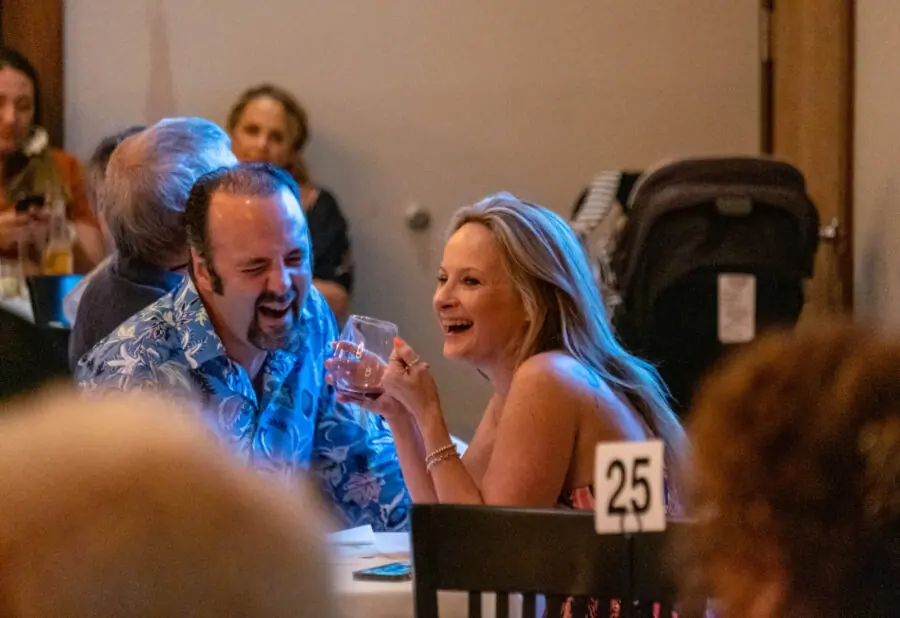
(408, 366)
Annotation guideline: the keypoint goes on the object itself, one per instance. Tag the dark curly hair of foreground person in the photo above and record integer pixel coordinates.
(795, 477)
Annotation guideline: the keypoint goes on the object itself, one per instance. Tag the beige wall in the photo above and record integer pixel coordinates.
(434, 102)
(877, 162)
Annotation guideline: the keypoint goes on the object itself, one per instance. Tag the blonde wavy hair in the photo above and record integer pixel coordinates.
(565, 310)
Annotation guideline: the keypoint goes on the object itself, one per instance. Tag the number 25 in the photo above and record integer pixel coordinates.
(637, 481)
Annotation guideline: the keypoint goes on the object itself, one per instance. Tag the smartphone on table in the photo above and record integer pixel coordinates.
(392, 572)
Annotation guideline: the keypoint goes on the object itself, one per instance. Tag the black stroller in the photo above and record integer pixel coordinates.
(712, 252)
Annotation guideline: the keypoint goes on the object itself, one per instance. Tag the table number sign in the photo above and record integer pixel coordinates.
(628, 487)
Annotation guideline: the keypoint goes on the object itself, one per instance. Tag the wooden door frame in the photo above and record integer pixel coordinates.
(780, 118)
(848, 233)
(35, 28)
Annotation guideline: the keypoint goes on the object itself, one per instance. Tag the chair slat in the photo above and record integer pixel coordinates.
(555, 605)
(579, 608)
(426, 603)
(474, 605)
(528, 606)
(639, 609)
(502, 605)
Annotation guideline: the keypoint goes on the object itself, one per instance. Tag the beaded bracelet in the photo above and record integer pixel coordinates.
(431, 463)
(443, 449)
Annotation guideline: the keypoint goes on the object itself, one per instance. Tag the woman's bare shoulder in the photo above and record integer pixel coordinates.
(557, 378)
(558, 369)
(561, 381)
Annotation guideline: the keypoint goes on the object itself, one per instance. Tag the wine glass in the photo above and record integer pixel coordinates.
(361, 356)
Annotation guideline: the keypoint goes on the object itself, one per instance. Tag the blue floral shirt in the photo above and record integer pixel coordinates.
(294, 424)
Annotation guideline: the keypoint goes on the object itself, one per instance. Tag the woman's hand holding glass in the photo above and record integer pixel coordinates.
(375, 369)
(408, 380)
(341, 370)
(360, 359)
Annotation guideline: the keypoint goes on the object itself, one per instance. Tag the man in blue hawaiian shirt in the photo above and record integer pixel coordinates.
(248, 335)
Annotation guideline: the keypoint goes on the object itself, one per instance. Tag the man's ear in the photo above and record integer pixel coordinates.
(202, 276)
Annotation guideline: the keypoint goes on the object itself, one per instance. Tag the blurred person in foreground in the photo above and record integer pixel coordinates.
(125, 508)
(246, 335)
(141, 201)
(267, 124)
(795, 479)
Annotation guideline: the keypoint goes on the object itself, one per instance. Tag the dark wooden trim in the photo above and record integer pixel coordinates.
(767, 80)
(35, 28)
(847, 244)
(813, 93)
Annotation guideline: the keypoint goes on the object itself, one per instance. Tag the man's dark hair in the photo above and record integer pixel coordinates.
(263, 179)
(96, 166)
(108, 144)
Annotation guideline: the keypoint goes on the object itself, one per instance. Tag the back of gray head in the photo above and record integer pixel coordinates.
(147, 184)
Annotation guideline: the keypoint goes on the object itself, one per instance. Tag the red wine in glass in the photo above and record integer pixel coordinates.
(361, 356)
(370, 394)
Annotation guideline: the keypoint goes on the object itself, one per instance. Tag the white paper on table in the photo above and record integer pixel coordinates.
(362, 535)
(392, 543)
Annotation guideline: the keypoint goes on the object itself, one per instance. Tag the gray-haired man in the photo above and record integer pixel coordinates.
(142, 201)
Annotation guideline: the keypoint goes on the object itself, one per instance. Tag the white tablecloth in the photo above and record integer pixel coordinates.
(393, 599)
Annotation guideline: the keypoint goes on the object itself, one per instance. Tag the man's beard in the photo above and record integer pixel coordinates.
(285, 337)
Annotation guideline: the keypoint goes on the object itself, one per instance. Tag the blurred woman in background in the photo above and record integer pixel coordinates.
(268, 124)
(30, 171)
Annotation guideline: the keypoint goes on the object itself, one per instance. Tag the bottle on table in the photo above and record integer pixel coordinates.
(58, 255)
